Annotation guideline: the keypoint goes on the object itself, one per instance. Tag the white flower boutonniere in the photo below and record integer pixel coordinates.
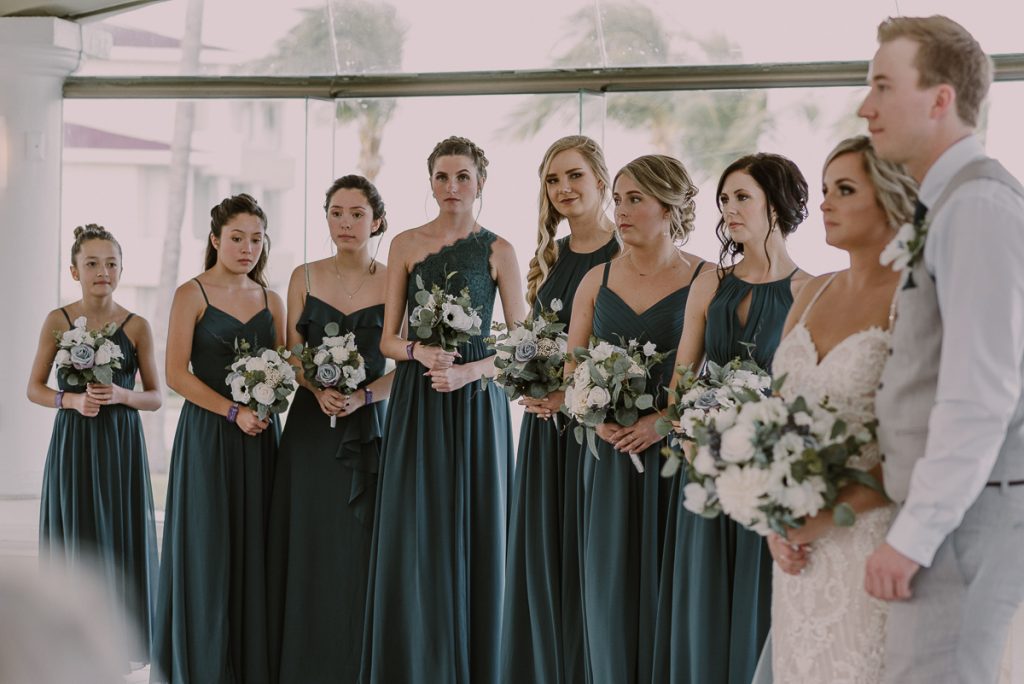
(906, 248)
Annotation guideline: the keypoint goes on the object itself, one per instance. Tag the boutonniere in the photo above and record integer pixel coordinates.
(906, 249)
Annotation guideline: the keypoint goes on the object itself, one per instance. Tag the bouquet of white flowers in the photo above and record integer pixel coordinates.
(87, 356)
(530, 356)
(442, 319)
(335, 362)
(610, 381)
(769, 464)
(697, 400)
(263, 381)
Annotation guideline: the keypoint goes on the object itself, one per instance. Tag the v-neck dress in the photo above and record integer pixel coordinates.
(211, 625)
(321, 517)
(624, 511)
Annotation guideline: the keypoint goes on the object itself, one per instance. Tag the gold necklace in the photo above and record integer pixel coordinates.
(629, 255)
(341, 282)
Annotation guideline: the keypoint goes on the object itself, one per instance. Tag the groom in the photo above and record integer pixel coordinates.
(950, 402)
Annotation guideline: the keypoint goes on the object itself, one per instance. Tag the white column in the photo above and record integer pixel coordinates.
(36, 54)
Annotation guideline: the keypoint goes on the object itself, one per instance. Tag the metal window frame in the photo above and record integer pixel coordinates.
(1008, 67)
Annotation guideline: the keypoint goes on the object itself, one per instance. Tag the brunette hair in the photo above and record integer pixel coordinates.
(458, 146)
(220, 214)
(785, 191)
(369, 190)
(91, 231)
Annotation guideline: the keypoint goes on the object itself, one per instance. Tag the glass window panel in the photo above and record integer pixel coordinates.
(408, 36)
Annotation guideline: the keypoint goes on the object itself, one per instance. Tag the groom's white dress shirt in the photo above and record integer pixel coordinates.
(975, 251)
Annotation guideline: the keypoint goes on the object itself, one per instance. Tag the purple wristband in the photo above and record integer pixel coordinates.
(232, 413)
(369, 396)
(58, 400)
(408, 350)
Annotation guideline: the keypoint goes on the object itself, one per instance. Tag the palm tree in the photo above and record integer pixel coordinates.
(346, 37)
(706, 128)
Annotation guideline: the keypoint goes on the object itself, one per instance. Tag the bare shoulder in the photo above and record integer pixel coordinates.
(137, 326)
(55, 321)
(704, 287)
(275, 300)
(809, 288)
(189, 293)
(801, 279)
(503, 249)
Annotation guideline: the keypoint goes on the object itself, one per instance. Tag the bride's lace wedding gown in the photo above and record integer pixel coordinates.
(825, 627)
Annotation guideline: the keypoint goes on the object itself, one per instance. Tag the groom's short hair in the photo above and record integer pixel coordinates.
(946, 53)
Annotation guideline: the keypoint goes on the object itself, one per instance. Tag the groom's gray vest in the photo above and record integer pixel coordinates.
(906, 394)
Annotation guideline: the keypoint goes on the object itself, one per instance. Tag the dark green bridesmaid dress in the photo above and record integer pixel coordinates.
(97, 505)
(715, 599)
(624, 512)
(211, 625)
(542, 628)
(433, 610)
(321, 518)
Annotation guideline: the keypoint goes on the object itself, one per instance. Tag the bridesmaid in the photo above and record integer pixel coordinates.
(211, 625)
(325, 484)
(715, 598)
(542, 629)
(438, 557)
(97, 505)
(640, 295)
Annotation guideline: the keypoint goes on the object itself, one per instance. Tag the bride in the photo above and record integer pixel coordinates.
(825, 627)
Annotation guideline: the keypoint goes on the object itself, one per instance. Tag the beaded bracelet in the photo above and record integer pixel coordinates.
(408, 350)
(232, 413)
(58, 400)
(368, 399)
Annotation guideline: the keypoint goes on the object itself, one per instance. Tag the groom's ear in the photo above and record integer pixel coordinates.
(944, 101)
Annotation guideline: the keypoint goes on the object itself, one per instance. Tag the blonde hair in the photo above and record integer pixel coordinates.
(946, 53)
(547, 225)
(895, 190)
(666, 179)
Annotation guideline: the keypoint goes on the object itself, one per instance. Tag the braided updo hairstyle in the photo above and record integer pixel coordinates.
(91, 231)
(666, 179)
(458, 146)
(547, 225)
(220, 214)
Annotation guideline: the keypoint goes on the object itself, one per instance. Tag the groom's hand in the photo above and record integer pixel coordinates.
(888, 574)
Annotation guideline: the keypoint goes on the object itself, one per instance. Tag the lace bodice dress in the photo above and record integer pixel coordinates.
(825, 627)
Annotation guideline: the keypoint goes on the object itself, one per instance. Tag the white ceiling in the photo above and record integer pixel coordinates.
(68, 9)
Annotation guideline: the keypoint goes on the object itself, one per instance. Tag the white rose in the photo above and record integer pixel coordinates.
(320, 357)
(354, 375)
(897, 252)
(725, 418)
(822, 425)
(263, 393)
(80, 322)
(704, 462)
(63, 358)
(769, 411)
(803, 419)
(102, 356)
(789, 448)
(650, 348)
(598, 397)
(740, 491)
(253, 364)
(696, 497)
(339, 354)
(270, 356)
(602, 351)
(803, 498)
(556, 305)
(738, 443)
